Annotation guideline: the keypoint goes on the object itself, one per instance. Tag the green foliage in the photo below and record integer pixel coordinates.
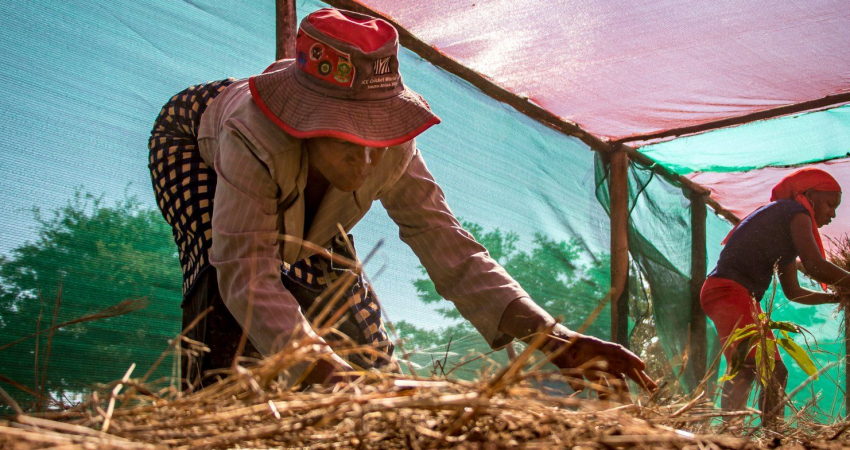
(756, 337)
(97, 255)
(559, 276)
(797, 354)
(764, 360)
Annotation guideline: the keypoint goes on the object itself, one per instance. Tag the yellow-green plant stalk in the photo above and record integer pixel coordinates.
(756, 336)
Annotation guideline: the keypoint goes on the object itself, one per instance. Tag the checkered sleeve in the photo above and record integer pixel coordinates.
(461, 268)
(245, 249)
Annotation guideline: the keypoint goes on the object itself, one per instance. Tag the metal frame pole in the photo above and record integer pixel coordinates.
(697, 331)
(618, 189)
(286, 27)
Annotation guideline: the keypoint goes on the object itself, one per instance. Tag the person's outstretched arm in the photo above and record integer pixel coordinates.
(792, 289)
(524, 319)
(483, 292)
(816, 266)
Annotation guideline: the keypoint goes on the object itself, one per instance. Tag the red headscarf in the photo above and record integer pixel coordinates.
(794, 185)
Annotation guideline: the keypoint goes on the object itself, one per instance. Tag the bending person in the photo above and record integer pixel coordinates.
(772, 236)
(309, 144)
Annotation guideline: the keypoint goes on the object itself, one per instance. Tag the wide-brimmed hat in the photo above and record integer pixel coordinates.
(344, 83)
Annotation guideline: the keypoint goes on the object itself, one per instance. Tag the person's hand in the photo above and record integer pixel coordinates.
(602, 363)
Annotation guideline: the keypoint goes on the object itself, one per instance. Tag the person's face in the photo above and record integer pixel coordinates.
(824, 205)
(345, 165)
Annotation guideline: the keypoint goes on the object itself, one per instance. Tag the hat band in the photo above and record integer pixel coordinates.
(339, 134)
(364, 93)
(324, 62)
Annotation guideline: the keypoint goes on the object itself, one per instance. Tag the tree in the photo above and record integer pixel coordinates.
(98, 256)
(558, 275)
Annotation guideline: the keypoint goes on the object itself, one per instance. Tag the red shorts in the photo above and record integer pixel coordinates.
(730, 306)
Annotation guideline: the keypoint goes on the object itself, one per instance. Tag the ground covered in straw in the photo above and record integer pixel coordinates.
(380, 411)
(250, 408)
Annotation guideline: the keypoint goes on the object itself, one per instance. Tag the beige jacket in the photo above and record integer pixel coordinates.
(262, 172)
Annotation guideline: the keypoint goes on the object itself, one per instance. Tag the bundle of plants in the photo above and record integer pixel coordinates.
(839, 255)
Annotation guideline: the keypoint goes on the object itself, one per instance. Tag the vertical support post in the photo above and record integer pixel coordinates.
(286, 27)
(846, 363)
(618, 189)
(697, 331)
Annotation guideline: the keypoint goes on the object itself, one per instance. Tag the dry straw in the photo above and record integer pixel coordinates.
(377, 410)
(839, 255)
(252, 406)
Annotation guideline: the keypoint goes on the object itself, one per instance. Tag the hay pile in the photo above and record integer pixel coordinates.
(374, 412)
(250, 408)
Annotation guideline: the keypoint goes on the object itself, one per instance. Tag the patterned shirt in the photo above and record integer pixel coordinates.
(262, 173)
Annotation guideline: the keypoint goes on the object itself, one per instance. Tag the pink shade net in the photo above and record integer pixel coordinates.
(621, 69)
(744, 192)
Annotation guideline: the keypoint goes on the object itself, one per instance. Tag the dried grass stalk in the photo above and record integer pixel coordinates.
(124, 307)
(252, 408)
(839, 255)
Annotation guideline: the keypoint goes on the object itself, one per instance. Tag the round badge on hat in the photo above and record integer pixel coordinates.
(325, 67)
(316, 51)
(343, 71)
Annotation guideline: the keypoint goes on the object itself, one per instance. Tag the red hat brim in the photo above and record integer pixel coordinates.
(304, 113)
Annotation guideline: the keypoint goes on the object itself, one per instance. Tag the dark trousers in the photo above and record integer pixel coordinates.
(361, 323)
(218, 330)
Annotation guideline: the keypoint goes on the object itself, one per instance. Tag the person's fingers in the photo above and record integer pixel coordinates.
(605, 365)
(648, 382)
(604, 389)
(592, 375)
(621, 388)
(635, 372)
(622, 361)
(625, 357)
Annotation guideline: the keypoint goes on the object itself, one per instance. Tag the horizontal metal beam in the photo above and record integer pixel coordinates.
(686, 182)
(807, 106)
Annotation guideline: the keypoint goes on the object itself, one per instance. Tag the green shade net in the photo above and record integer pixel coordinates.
(90, 80)
(798, 141)
(83, 265)
(662, 255)
(785, 141)
(660, 247)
